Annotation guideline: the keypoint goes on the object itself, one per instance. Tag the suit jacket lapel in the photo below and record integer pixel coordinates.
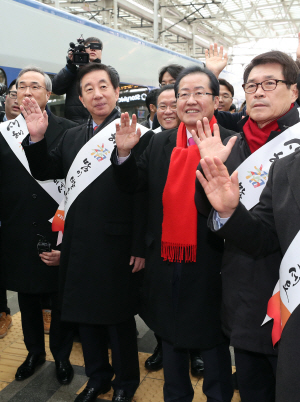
(170, 144)
(293, 169)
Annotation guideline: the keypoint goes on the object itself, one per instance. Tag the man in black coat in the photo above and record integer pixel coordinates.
(182, 295)
(103, 237)
(25, 212)
(248, 282)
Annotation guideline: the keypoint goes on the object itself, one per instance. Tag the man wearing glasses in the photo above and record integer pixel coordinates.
(12, 109)
(248, 282)
(182, 294)
(25, 212)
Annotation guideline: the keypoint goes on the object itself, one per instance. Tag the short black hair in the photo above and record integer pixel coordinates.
(232, 107)
(92, 39)
(151, 98)
(227, 85)
(290, 69)
(168, 87)
(213, 81)
(88, 68)
(172, 69)
(11, 85)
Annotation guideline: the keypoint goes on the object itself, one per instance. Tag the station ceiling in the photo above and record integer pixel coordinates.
(190, 27)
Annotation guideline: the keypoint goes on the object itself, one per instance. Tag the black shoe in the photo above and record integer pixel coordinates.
(197, 365)
(64, 372)
(90, 394)
(28, 367)
(155, 361)
(120, 396)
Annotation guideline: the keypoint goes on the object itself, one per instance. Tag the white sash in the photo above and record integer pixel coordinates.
(14, 132)
(90, 162)
(253, 172)
(289, 274)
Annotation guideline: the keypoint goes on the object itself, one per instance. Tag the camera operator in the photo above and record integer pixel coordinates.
(65, 82)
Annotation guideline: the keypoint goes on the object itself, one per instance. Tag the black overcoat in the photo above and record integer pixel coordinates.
(247, 282)
(196, 323)
(25, 212)
(97, 285)
(273, 224)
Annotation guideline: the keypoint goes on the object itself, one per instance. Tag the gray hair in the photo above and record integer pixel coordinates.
(48, 82)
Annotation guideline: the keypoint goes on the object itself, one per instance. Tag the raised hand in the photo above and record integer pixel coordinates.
(36, 120)
(214, 59)
(221, 190)
(211, 145)
(127, 136)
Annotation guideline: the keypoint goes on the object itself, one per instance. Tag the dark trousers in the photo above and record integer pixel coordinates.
(217, 384)
(256, 376)
(3, 302)
(125, 363)
(61, 334)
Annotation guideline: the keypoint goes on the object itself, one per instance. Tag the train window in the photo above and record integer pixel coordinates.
(3, 79)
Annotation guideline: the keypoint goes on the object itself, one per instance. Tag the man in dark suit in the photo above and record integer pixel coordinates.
(103, 237)
(25, 212)
(182, 291)
(248, 282)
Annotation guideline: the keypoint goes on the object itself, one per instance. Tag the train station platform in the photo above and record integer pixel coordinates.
(43, 386)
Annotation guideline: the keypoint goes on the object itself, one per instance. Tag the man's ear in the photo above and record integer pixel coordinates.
(81, 100)
(152, 108)
(216, 102)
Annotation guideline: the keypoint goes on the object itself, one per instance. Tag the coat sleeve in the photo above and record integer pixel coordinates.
(44, 165)
(64, 79)
(132, 175)
(254, 232)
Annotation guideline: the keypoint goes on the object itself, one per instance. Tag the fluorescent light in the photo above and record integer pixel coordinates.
(202, 39)
(140, 6)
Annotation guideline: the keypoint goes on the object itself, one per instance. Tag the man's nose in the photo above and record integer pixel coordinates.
(191, 99)
(98, 93)
(28, 91)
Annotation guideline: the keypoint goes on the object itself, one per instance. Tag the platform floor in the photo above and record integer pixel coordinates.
(43, 386)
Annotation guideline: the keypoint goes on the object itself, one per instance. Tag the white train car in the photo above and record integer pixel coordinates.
(34, 33)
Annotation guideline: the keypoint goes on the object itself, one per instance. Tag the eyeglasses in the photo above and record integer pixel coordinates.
(12, 94)
(165, 107)
(32, 87)
(267, 85)
(184, 96)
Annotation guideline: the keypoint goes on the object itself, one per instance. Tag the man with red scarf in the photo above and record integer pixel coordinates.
(182, 287)
(247, 281)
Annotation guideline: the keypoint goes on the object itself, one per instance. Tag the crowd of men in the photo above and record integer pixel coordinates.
(139, 237)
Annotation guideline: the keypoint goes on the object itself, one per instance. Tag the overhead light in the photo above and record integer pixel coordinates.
(202, 39)
(140, 6)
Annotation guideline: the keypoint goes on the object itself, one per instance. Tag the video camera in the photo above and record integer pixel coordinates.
(80, 57)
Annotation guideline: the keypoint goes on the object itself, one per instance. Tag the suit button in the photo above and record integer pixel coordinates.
(34, 223)
(34, 196)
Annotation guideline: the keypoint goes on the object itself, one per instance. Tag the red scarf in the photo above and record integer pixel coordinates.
(179, 227)
(257, 137)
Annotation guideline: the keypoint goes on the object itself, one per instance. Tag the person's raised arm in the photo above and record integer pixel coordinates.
(36, 120)
(221, 189)
(215, 60)
(127, 136)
